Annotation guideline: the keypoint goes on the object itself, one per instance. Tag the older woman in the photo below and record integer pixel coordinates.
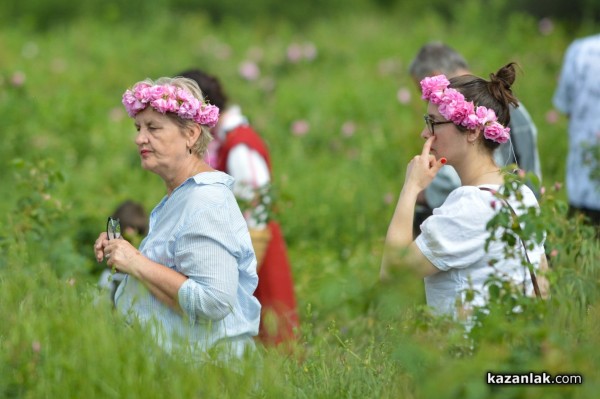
(466, 121)
(194, 274)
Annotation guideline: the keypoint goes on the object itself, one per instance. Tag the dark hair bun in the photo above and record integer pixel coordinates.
(501, 82)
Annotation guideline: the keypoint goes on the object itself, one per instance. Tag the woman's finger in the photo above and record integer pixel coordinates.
(427, 146)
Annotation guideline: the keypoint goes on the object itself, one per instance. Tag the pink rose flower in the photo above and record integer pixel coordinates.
(348, 129)
(485, 115)
(433, 88)
(294, 53)
(209, 116)
(18, 79)
(300, 127)
(189, 108)
(249, 70)
(496, 132)
(403, 95)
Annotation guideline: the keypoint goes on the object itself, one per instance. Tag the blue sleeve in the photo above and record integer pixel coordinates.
(205, 251)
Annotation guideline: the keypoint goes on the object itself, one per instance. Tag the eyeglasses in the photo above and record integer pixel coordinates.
(431, 123)
(113, 228)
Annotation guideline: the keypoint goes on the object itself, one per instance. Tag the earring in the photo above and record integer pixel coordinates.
(190, 149)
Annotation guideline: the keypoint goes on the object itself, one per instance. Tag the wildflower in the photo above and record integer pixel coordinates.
(18, 79)
(348, 129)
(388, 198)
(545, 26)
(300, 127)
(554, 253)
(249, 70)
(36, 346)
(403, 95)
(294, 53)
(552, 116)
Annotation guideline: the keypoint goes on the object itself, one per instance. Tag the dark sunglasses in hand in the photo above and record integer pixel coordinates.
(113, 228)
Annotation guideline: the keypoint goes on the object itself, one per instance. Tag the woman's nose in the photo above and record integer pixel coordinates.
(140, 137)
(425, 133)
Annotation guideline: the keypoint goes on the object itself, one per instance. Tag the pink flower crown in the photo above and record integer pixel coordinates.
(168, 98)
(453, 106)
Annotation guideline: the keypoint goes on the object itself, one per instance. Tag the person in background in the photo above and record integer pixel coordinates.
(134, 225)
(436, 58)
(239, 151)
(192, 279)
(465, 123)
(578, 96)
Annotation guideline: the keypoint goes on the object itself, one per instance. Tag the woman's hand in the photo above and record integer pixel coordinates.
(422, 168)
(99, 246)
(119, 253)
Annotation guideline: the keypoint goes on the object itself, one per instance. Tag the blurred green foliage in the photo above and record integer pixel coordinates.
(67, 159)
(42, 14)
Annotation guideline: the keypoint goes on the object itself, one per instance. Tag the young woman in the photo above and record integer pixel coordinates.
(466, 121)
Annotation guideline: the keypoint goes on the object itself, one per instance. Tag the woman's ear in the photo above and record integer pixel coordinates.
(473, 135)
(193, 134)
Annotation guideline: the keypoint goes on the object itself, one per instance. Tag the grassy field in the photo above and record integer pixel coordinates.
(68, 158)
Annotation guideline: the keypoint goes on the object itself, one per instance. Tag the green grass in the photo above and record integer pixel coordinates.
(75, 161)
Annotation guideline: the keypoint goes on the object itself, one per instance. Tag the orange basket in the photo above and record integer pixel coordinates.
(260, 241)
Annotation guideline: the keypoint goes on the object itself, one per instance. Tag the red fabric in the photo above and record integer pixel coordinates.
(242, 135)
(275, 291)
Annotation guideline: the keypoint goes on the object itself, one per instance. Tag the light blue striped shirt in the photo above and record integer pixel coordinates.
(200, 232)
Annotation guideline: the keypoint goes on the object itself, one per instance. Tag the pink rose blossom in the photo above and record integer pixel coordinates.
(249, 70)
(348, 129)
(485, 115)
(403, 95)
(300, 127)
(496, 132)
(18, 79)
(294, 53)
(36, 346)
(189, 108)
(388, 198)
(552, 116)
(209, 116)
(434, 87)
(546, 26)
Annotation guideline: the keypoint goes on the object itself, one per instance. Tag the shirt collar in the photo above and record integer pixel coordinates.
(213, 178)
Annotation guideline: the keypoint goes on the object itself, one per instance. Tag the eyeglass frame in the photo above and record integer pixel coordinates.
(431, 124)
(113, 228)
